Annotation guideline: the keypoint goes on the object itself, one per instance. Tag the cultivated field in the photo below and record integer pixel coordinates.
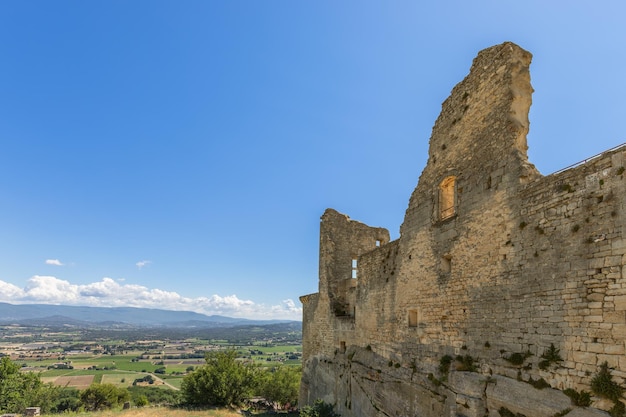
(77, 359)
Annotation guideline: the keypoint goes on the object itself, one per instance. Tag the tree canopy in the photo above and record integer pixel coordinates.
(222, 381)
(21, 390)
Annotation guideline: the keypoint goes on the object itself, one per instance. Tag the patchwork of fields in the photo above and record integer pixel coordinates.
(79, 370)
(158, 358)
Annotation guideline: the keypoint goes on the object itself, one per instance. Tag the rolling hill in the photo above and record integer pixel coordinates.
(82, 316)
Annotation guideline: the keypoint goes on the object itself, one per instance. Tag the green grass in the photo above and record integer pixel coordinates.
(175, 382)
(180, 367)
(117, 378)
(69, 372)
(127, 365)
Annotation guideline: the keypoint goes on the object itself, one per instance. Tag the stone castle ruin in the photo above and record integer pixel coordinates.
(502, 279)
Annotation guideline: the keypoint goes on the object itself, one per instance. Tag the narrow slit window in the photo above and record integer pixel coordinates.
(446, 264)
(412, 318)
(354, 268)
(342, 346)
(447, 198)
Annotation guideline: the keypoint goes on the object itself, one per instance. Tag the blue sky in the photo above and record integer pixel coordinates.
(179, 154)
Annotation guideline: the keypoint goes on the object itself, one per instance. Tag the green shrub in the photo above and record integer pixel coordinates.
(66, 401)
(549, 357)
(505, 412)
(103, 396)
(434, 380)
(603, 385)
(539, 384)
(466, 363)
(563, 412)
(517, 358)
(580, 399)
(154, 396)
(618, 410)
(444, 364)
(318, 409)
(281, 385)
(141, 401)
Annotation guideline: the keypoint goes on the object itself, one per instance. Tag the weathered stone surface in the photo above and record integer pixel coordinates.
(495, 264)
(587, 412)
(469, 384)
(521, 397)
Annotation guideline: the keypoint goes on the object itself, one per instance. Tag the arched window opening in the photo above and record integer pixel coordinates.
(446, 198)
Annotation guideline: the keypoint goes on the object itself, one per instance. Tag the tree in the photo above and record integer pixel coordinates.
(20, 390)
(281, 385)
(222, 381)
(103, 396)
(67, 400)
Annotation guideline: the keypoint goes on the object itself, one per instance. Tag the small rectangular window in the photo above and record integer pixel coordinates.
(412, 318)
(446, 264)
(342, 346)
(354, 269)
(447, 198)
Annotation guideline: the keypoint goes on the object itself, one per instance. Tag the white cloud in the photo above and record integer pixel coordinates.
(10, 292)
(141, 264)
(111, 293)
(49, 289)
(55, 262)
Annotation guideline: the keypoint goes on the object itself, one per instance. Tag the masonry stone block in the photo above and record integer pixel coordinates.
(620, 302)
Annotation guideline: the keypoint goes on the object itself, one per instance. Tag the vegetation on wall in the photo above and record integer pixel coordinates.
(444, 365)
(580, 399)
(603, 385)
(517, 358)
(550, 356)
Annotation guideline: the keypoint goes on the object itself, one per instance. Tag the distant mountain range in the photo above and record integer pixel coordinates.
(77, 316)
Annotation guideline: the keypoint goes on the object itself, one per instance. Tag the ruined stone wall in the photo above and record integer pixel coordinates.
(494, 262)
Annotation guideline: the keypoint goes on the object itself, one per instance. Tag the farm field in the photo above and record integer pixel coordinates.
(273, 355)
(69, 361)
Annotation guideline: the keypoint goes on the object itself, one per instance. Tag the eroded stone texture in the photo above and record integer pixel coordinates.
(494, 261)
